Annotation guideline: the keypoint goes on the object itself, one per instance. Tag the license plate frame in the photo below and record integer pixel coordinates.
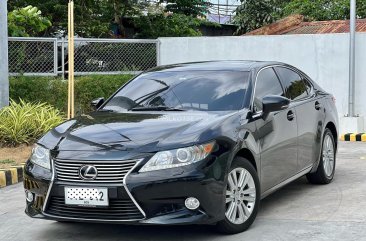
(86, 196)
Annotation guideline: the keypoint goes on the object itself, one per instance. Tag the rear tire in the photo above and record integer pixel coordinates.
(326, 168)
(242, 197)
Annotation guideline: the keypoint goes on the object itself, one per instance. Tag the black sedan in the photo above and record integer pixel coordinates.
(195, 143)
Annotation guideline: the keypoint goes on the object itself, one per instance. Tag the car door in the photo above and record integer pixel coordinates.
(276, 133)
(310, 114)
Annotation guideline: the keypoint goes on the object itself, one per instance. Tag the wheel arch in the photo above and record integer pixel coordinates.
(333, 129)
(246, 153)
(331, 126)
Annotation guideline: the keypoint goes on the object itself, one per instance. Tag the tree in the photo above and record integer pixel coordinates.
(27, 22)
(317, 10)
(122, 8)
(188, 7)
(154, 26)
(253, 14)
(93, 18)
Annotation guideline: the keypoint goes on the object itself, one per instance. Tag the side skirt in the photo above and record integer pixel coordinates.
(284, 183)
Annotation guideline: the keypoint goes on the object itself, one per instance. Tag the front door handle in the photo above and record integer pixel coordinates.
(290, 115)
(318, 106)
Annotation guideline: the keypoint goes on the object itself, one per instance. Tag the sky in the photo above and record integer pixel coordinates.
(231, 2)
(223, 10)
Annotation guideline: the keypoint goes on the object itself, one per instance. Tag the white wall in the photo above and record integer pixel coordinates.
(323, 57)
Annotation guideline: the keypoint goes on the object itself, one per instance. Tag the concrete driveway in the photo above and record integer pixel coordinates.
(299, 211)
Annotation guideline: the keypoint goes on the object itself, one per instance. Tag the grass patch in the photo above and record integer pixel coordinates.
(7, 161)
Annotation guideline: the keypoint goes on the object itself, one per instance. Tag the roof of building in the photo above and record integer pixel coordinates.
(295, 24)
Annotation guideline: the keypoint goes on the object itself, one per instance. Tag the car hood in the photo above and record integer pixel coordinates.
(131, 130)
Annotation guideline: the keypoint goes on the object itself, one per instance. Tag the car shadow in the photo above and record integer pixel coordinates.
(110, 232)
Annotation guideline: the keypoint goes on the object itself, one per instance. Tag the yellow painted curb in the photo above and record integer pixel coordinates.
(354, 137)
(11, 175)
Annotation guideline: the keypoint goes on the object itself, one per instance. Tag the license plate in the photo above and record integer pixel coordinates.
(82, 196)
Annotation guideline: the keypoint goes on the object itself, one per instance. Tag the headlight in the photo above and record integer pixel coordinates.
(41, 157)
(178, 157)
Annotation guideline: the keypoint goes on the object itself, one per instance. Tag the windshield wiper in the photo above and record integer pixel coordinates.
(156, 108)
(105, 110)
(148, 96)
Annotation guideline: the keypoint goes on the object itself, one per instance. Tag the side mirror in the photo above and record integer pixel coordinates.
(95, 104)
(272, 103)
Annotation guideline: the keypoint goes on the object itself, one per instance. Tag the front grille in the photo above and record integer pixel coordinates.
(110, 172)
(124, 210)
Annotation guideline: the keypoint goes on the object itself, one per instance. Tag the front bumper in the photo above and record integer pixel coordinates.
(145, 198)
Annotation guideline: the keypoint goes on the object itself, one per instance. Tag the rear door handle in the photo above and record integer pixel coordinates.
(290, 115)
(318, 106)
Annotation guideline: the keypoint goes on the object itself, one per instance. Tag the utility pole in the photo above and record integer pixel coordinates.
(352, 59)
(4, 70)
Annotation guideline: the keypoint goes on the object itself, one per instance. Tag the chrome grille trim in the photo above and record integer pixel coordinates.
(112, 172)
(45, 204)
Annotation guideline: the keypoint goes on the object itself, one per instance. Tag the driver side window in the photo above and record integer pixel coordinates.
(267, 84)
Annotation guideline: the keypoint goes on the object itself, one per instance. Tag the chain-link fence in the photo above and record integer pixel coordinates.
(32, 56)
(49, 56)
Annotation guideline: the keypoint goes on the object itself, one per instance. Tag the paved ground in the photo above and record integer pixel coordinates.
(299, 211)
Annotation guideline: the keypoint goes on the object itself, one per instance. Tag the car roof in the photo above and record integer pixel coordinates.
(224, 65)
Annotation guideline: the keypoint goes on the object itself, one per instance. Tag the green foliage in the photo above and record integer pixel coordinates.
(188, 7)
(27, 22)
(54, 90)
(7, 161)
(174, 25)
(26, 122)
(88, 88)
(324, 9)
(93, 18)
(253, 14)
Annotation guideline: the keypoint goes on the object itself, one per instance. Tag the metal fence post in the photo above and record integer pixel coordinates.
(4, 73)
(63, 57)
(158, 52)
(55, 59)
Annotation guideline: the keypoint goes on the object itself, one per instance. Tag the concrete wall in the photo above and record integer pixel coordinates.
(323, 57)
(4, 81)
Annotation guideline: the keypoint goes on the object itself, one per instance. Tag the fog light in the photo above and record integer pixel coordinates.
(192, 203)
(29, 196)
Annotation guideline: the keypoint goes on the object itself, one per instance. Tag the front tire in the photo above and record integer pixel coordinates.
(242, 197)
(325, 172)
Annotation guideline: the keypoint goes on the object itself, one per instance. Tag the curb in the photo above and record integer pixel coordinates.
(11, 175)
(354, 137)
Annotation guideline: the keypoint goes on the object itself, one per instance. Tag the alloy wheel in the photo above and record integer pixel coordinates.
(328, 155)
(240, 196)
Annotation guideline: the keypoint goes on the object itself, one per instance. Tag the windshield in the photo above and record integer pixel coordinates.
(175, 90)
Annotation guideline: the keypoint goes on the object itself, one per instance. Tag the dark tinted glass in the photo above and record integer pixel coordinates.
(294, 85)
(194, 90)
(267, 84)
(308, 86)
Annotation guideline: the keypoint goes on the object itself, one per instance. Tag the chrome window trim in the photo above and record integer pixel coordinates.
(302, 76)
(138, 161)
(255, 85)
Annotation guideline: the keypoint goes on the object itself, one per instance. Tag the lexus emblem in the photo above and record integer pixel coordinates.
(88, 172)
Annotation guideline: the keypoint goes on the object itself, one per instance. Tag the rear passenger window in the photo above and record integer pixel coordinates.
(267, 84)
(294, 85)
